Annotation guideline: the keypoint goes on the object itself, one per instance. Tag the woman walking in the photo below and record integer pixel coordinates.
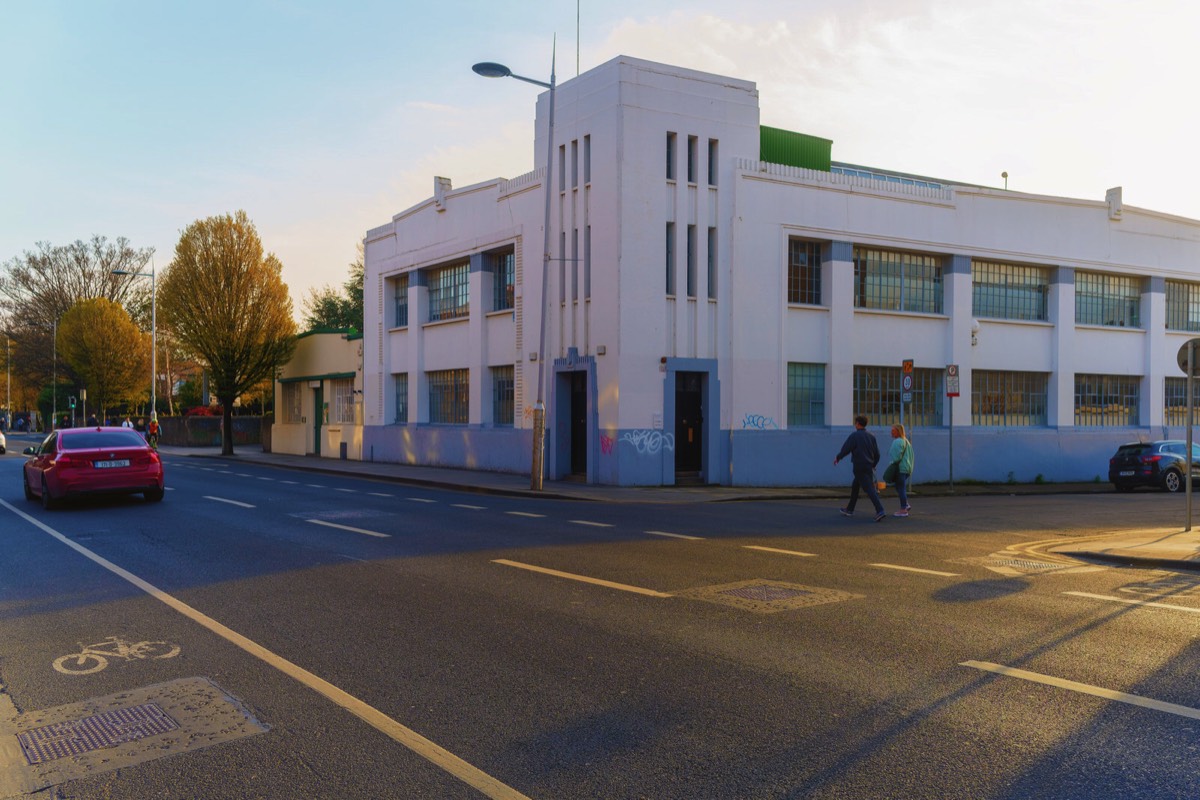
(900, 456)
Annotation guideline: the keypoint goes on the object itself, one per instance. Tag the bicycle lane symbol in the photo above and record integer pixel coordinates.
(94, 657)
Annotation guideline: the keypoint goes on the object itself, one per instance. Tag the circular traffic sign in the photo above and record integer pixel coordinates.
(1182, 357)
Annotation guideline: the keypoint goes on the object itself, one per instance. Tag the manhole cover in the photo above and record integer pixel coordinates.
(765, 597)
(1013, 566)
(93, 733)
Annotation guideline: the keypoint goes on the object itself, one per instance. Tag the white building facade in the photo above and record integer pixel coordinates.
(722, 299)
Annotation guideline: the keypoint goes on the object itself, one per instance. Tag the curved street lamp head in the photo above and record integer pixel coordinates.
(490, 69)
(121, 272)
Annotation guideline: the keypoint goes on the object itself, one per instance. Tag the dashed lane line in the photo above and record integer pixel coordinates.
(1085, 688)
(917, 569)
(347, 491)
(674, 535)
(472, 508)
(1145, 603)
(425, 748)
(777, 550)
(526, 514)
(227, 500)
(420, 500)
(581, 578)
(350, 528)
(380, 494)
(592, 524)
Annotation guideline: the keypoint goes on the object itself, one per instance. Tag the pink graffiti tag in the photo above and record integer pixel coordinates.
(606, 444)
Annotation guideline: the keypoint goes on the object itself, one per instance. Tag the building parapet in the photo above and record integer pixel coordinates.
(521, 182)
(943, 194)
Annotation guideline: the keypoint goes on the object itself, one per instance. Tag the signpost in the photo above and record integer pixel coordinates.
(1186, 357)
(951, 392)
(906, 385)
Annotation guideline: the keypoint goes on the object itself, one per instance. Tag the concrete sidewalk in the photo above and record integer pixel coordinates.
(1171, 548)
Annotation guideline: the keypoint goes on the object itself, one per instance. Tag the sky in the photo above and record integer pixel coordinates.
(322, 120)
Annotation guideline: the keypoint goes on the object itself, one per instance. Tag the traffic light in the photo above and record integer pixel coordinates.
(72, 402)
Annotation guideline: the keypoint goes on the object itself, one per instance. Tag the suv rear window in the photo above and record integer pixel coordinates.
(1133, 449)
(97, 440)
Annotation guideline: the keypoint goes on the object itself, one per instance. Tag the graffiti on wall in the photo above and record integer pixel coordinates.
(759, 423)
(649, 442)
(606, 444)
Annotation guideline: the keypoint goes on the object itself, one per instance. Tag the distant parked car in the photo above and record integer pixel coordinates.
(80, 461)
(1160, 464)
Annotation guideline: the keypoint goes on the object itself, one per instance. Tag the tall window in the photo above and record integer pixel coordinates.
(1111, 300)
(400, 318)
(1183, 306)
(1008, 399)
(670, 156)
(692, 145)
(804, 272)
(502, 396)
(877, 393)
(449, 393)
(587, 159)
(805, 394)
(1175, 401)
(562, 168)
(712, 162)
(587, 262)
(670, 258)
(1106, 400)
(898, 281)
(343, 401)
(575, 265)
(1009, 291)
(574, 163)
(401, 390)
(503, 270)
(448, 292)
(691, 260)
(293, 393)
(712, 263)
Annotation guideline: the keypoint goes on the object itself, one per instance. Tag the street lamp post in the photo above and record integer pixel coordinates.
(490, 69)
(153, 330)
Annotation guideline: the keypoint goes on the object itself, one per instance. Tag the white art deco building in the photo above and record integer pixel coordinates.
(723, 298)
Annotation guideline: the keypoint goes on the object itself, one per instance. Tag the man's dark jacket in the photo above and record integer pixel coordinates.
(862, 449)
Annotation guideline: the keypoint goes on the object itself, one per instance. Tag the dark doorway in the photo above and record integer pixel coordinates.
(579, 426)
(318, 418)
(689, 426)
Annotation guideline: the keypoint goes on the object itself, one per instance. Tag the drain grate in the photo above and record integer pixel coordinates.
(765, 593)
(1022, 564)
(94, 733)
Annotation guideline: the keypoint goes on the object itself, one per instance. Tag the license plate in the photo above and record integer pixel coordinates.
(1125, 473)
(121, 462)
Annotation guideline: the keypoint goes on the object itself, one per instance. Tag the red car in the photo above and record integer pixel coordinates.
(78, 461)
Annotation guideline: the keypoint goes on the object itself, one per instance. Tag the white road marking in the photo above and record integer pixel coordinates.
(583, 578)
(314, 486)
(291, 483)
(1085, 688)
(169, 488)
(261, 478)
(593, 524)
(243, 475)
(420, 500)
(427, 749)
(464, 505)
(1147, 603)
(349, 528)
(777, 550)
(675, 535)
(349, 491)
(379, 494)
(525, 514)
(231, 502)
(915, 569)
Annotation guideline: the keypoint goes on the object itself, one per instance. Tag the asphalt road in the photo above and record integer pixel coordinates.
(403, 642)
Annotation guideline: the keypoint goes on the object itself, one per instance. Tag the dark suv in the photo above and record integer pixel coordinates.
(1158, 464)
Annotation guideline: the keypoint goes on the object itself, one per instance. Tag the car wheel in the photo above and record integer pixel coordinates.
(29, 495)
(153, 495)
(47, 500)
(1172, 481)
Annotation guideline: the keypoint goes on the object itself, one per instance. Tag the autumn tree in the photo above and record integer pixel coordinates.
(328, 308)
(227, 304)
(108, 352)
(41, 285)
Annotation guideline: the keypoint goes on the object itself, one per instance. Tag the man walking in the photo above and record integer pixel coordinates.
(864, 455)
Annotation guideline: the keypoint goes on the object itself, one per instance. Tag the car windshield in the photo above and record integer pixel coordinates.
(98, 440)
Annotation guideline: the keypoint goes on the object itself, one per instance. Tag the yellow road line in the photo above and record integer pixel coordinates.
(582, 578)
(1085, 688)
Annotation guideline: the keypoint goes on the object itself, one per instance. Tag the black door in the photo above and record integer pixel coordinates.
(689, 424)
(579, 428)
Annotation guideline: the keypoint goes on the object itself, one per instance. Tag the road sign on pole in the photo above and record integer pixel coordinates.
(906, 381)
